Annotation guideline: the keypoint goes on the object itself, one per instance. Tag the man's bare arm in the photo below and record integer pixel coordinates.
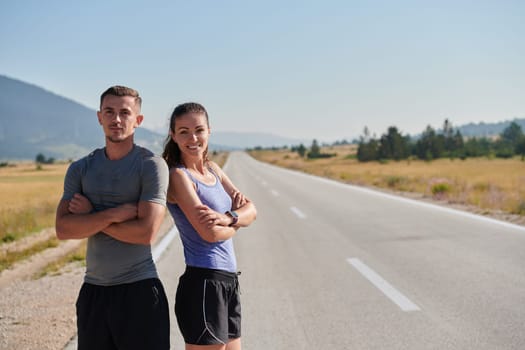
(141, 230)
(77, 226)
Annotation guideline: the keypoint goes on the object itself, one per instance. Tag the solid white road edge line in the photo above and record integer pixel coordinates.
(386, 288)
(298, 212)
(164, 243)
(156, 253)
(401, 199)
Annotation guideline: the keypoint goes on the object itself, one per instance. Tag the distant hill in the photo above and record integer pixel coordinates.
(245, 140)
(33, 120)
(488, 129)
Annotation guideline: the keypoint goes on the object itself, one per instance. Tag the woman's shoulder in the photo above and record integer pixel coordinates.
(215, 168)
(178, 172)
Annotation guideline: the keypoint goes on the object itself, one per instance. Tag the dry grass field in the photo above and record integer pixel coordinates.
(489, 184)
(30, 194)
(29, 198)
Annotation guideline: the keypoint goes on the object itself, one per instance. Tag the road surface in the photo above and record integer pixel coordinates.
(332, 266)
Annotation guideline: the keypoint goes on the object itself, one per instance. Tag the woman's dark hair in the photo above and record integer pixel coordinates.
(171, 153)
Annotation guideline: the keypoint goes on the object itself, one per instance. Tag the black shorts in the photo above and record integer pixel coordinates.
(208, 306)
(127, 316)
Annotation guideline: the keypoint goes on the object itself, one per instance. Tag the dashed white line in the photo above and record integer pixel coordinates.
(392, 293)
(297, 212)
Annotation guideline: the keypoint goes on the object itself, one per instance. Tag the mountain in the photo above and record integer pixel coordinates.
(33, 121)
(488, 129)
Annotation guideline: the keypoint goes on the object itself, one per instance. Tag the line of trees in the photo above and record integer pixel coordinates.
(313, 153)
(41, 159)
(446, 143)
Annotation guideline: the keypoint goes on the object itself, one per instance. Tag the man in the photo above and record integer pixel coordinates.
(115, 197)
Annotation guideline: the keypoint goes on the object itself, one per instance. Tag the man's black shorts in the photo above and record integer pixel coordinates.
(208, 306)
(126, 316)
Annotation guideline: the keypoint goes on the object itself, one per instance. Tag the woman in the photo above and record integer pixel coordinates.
(208, 210)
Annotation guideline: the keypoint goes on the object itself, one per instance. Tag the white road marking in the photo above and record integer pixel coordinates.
(275, 193)
(164, 243)
(156, 253)
(297, 212)
(392, 293)
(401, 199)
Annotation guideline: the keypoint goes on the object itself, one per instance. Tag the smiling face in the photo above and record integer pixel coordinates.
(191, 133)
(119, 116)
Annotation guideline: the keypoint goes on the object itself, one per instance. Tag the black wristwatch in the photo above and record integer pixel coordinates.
(235, 217)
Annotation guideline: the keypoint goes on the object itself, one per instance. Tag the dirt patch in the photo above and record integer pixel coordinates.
(40, 313)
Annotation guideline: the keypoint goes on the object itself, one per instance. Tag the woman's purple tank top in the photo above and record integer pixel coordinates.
(198, 252)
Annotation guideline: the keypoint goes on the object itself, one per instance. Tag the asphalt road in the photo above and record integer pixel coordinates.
(332, 266)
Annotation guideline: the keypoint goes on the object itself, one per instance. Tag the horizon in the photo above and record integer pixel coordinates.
(299, 70)
(286, 139)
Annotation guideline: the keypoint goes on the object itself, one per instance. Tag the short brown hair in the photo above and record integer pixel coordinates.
(118, 90)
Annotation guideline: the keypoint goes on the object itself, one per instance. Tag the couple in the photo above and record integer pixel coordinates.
(116, 197)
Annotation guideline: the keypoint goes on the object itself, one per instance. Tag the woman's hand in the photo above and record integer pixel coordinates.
(238, 200)
(210, 217)
(79, 204)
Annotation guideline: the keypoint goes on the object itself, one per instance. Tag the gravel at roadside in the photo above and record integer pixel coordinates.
(40, 314)
(37, 314)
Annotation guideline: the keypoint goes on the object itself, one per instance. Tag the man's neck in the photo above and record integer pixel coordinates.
(118, 150)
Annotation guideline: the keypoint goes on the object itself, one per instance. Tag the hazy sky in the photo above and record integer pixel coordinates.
(306, 69)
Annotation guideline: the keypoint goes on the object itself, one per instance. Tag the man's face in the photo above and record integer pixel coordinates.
(119, 116)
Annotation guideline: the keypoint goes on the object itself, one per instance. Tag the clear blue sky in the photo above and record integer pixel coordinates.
(303, 69)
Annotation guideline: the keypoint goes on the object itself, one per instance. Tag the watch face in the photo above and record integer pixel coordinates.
(234, 215)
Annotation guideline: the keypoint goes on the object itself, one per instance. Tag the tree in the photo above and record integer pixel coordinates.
(520, 148)
(315, 150)
(512, 134)
(40, 158)
(509, 141)
(393, 145)
(452, 141)
(367, 151)
(430, 145)
(367, 147)
(477, 147)
(448, 134)
(301, 150)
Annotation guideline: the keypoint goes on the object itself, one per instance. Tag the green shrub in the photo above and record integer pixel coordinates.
(394, 181)
(440, 189)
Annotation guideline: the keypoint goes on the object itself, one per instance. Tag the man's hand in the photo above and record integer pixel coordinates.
(79, 204)
(124, 212)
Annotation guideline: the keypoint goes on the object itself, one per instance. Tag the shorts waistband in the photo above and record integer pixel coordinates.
(220, 275)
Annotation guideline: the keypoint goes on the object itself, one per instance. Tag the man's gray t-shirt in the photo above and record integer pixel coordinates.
(139, 176)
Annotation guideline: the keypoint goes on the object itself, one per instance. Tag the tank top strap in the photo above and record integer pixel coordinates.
(194, 180)
(214, 173)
